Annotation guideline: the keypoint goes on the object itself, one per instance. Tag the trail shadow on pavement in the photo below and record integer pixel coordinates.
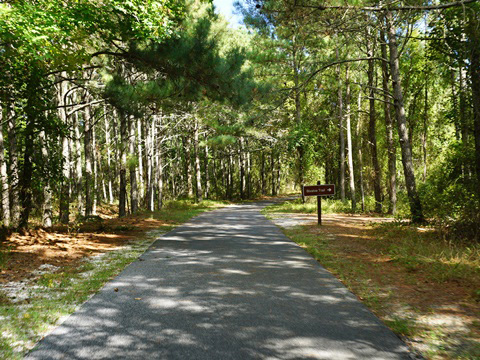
(228, 285)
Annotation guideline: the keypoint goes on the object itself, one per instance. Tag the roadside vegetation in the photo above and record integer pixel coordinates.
(423, 284)
(40, 295)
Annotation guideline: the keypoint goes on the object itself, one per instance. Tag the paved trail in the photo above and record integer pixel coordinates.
(227, 285)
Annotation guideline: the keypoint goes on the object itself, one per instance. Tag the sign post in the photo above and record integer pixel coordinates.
(319, 191)
(319, 207)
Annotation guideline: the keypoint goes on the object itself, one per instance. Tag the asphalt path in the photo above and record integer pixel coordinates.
(226, 285)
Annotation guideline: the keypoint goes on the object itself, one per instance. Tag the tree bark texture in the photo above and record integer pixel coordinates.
(88, 148)
(122, 210)
(391, 148)
(372, 135)
(47, 191)
(65, 187)
(14, 170)
(351, 172)
(341, 135)
(132, 166)
(3, 175)
(198, 174)
(414, 200)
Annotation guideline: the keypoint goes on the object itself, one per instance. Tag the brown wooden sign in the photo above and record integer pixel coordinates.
(319, 190)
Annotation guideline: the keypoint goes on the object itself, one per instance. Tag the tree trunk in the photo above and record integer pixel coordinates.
(359, 136)
(425, 128)
(93, 154)
(349, 142)
(132, 167)
(26, 175)
(141, 182)
(207, 174)
(391, 148)
(160, 167)
(262, 175)
(372, 132)
(241, 153)
(229, 182)
(47, 191)
(342, 136)
(248, 175)
(188, 172)
(150, 166)
(278, 173)
(108, 145)
(78, 165)
(122, 210)
(65, 187)
(14, 170)
(89, 186)
(198, 174)
(272, 172)
(26, 178)
(414, 199)
(474, 57)
(3, 175)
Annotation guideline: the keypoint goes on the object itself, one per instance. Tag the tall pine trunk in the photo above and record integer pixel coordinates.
(241, 153)
(122, 209)
(78, 165)
(14, 169)
(349, 141)
(132, 167)
(108, 145)
(65, 187)
(341, 135)
(372, 135)
(359, 137)
(159, 158)
(198, 174)
(88, 149)
(474, 57)
(3, 175)
(391, 148)
(141, 182)
(414, 200)
(47, 191)
(207, 173)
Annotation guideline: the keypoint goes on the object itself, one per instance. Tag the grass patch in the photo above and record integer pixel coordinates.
(329, 206)
(401, 326)
(425, 250)
(57, 294)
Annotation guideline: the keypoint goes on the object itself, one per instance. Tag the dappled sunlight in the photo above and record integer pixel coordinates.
(226, 284)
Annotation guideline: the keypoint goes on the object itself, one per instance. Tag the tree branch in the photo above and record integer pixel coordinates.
(387, 7)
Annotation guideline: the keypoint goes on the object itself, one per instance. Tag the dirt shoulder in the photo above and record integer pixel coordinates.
(64, 246)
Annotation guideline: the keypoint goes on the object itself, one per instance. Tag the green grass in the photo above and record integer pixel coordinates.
(329, 206)
(402, 326)
(425, 250)
(60, 293)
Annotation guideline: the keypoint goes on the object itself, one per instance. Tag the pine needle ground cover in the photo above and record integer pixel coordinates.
(45, 276)
(425, 288)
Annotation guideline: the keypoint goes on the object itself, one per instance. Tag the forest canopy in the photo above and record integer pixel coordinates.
(135, 102)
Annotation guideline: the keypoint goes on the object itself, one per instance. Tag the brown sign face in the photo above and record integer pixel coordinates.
(319, 190)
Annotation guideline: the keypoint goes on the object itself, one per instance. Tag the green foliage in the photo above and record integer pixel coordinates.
(449, 195)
